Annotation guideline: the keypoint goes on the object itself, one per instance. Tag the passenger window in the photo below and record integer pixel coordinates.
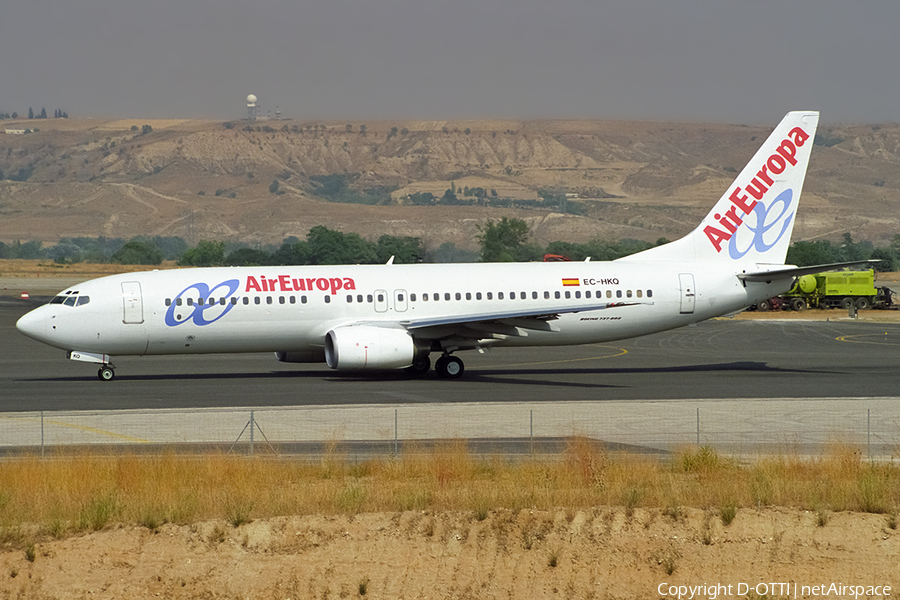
(399, 297)
(246, 300)
(568, 294)
(200, 301)
(168, 301)
(425, 297)
(293, 300)
(381, 297)
(458, 296)
(618, 293)
(349, 298)
(478, 295)
(82, 300)
(468, 295)
(639, 293)
(280, 299)
(578, 293)
(256, 300)
(222, 301)
(233, 301)
(628, 294)
(327, 299)
(499, 295)
(649, 293)
(534, 295)
(369, 299)
(190, 301)
(70, 301)
(609, 293)
(546, 295)
(587, 294)
(447, 296)
(512, 295)
(359, 298)
(490, 295)
(302, 299)
(556, 295)
(268, 299)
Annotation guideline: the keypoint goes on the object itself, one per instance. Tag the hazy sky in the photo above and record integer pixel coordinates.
(746, 61)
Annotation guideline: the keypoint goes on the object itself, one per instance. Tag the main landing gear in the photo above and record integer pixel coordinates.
(106, 373)
(446, 367)
(449, 367)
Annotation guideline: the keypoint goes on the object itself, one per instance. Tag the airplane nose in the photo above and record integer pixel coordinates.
(33, 324)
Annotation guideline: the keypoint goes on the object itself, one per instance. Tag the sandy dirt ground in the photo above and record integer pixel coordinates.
(602, 553)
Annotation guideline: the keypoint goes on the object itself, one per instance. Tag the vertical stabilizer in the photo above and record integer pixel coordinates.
(753, 220)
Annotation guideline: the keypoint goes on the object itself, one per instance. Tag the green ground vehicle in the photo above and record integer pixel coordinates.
(837, 289)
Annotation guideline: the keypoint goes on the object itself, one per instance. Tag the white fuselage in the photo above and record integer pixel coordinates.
(290, 309)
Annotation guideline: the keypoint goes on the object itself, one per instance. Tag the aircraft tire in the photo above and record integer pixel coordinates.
(449, 367)
(106, 373)
(420, 366)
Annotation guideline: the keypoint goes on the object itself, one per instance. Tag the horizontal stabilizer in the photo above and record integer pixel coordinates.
(769, 276)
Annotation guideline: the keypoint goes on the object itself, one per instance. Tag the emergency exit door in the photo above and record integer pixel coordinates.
(132, 302)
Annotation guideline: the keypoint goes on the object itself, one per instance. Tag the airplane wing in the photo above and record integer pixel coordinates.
(791, 272)
(522, 317)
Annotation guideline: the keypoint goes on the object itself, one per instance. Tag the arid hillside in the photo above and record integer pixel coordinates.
(214, 180)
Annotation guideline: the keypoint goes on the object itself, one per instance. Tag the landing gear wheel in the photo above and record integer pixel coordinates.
(420, 366)
(449, 367)
(106, 373)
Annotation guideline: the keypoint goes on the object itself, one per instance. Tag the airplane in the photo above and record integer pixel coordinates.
(371, 317)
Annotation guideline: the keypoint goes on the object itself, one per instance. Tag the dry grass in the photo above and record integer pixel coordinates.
(64, 495)
(48, 268)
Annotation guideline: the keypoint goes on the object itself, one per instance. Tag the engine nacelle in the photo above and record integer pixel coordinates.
(366, 347)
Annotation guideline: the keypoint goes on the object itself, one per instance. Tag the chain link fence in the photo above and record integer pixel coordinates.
(735, 427)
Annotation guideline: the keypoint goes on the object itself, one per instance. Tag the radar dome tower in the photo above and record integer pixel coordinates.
(252, 108)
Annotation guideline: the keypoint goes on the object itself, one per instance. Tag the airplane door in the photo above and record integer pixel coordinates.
(400, 300)
(380, 301)
(688, 293)
(132, 302)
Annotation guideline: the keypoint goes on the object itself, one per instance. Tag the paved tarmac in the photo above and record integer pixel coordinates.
(722, 381)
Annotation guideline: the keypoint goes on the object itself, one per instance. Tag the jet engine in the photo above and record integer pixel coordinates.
(366, 347)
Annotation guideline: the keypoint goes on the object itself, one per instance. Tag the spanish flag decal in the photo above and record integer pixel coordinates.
(575, 281)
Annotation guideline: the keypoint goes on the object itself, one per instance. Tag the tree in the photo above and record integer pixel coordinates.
(43, 113)
(247, 257)
(405, 250)
(138, 252)
(273, 187)
(329, 247)
(205, 254)
(504, 240)
(30, 113)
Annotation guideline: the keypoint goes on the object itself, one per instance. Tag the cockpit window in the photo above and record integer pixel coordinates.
(70, 301)
(82, 300)
(58, 300)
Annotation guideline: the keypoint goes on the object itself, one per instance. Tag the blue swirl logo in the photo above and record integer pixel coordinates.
(206, 313)
(765, 222)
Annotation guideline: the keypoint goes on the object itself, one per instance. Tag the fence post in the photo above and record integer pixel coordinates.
(698, 426)
(869, 432)
(531, 429)
(42, 434)
(396, 436)
(252, 427)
